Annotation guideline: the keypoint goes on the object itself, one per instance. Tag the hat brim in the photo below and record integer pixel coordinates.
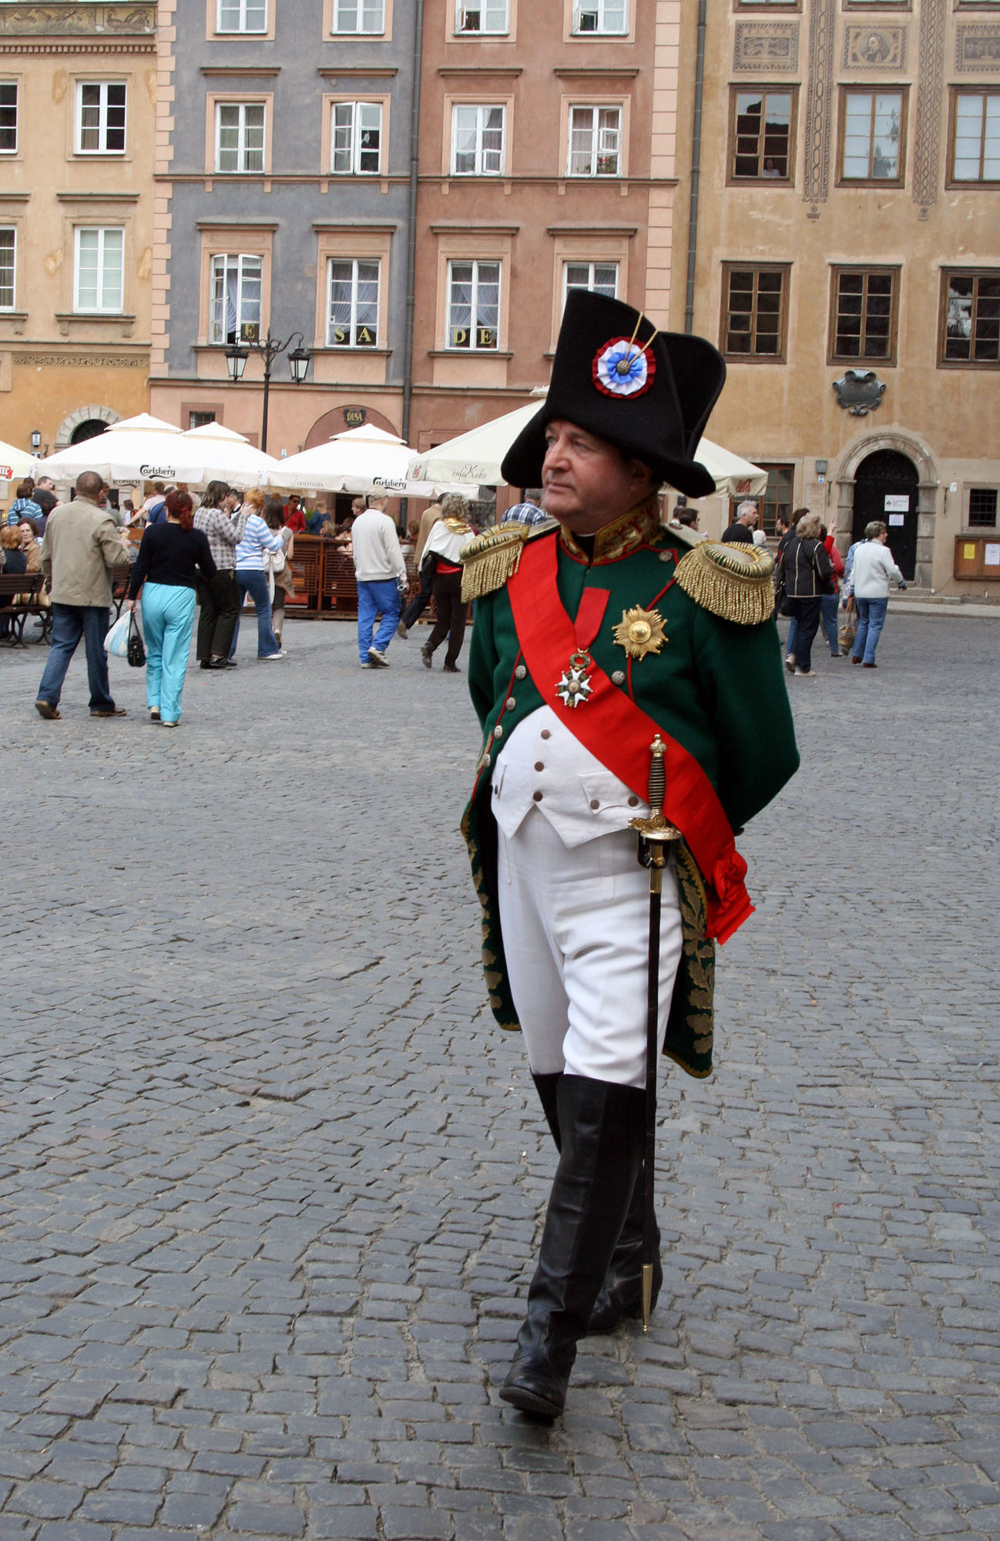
(522, 464)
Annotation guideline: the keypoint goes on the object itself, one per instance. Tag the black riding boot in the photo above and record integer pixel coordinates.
(602, 1129)
(621, 1293)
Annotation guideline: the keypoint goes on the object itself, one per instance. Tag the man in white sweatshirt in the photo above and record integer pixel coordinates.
(871, 575)
(381, 574)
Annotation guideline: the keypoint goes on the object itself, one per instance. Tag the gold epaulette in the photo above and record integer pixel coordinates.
(493, 557)
(733, 581)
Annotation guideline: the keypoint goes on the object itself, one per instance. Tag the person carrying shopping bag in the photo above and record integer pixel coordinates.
(172, 556)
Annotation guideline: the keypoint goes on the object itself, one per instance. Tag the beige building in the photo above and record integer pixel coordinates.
(846, 260)
(77, 87)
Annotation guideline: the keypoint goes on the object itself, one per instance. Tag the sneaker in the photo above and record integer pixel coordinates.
(366, 665)
(401, 631)
(425, 657)
(805, 674)
(869, 666)
(47, 710)
(378, 659)
(790, 663)
(154, 714)
(267, 657)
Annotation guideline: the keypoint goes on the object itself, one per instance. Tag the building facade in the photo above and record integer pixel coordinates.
(846, 259)
(282, 198)
(77, 88)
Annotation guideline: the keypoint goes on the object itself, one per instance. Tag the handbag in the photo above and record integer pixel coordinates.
(136, 652)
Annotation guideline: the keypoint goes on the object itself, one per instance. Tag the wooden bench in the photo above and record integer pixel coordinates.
(121, 577)
(21, 596)
(340, 586)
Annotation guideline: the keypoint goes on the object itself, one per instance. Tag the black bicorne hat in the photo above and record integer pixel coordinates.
(648, 393)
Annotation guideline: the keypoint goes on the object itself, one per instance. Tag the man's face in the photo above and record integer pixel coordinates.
(587, 482)
(358, 507)
(749, 518)
(46, 484)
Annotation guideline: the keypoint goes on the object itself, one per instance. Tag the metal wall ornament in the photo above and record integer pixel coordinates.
(859, 392)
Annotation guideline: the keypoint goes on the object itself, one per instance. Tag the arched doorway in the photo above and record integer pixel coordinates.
(341, 419)
(88, 429)
(885, 487)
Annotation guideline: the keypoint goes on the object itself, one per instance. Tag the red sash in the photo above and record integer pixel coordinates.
(619, 733)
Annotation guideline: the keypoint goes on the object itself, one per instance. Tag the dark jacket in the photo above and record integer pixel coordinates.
(805, 568)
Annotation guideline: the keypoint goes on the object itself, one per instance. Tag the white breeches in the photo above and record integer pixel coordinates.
(575, 925)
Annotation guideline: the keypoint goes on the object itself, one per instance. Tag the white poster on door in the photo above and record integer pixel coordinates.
(897, 503)
(897, 518)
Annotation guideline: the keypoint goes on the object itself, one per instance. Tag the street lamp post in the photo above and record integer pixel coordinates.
(270, 349)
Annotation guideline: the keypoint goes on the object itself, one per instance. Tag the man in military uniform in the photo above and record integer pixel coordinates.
(595, 636)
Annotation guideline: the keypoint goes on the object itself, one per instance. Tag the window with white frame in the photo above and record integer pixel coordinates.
(100, 117)
(99, 274)
(237, 285)
(8, 117)
(477, 141)
(8, 254)
(976, 136)
(357, 138)
(490, 16)
(595, 135)
(353, 302)
(474, 305)
(358, 15)
(595, 277)
(601, 16)
(241, 16)
(239, 136)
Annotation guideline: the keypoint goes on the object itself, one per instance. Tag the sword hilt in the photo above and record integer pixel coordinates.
(657, 775)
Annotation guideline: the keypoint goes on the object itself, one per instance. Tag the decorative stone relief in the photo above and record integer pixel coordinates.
(875, 48)
(822, 42)
(930, 95)
(67, 20)
(977, 48)
(766, 45)
(859, 392)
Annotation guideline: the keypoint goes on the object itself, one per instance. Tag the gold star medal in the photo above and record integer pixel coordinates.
(640, 632)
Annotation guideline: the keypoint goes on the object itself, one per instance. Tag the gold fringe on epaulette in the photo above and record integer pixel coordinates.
(731, 580)
(492, 558)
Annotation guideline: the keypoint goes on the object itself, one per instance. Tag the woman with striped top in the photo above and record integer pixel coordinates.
(252, 579)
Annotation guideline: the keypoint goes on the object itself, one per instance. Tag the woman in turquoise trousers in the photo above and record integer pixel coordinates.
(172, 555)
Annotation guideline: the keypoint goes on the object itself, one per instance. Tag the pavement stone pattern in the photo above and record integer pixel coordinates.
(270, 1178)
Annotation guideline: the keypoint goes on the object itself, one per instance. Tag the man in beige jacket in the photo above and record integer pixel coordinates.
(80, 548)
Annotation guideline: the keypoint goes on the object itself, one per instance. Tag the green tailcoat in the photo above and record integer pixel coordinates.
(715, 686)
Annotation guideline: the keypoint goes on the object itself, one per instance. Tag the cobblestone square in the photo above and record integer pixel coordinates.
(271, 1176)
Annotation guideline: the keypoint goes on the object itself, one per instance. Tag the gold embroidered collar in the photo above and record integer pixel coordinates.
(621, 536)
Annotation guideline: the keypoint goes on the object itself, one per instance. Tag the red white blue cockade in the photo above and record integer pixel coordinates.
(623, 368)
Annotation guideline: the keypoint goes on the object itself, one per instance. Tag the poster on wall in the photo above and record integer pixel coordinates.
(991, 556)
(897, 503)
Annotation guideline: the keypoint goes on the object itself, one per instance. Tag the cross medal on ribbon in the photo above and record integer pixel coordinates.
(574, 687)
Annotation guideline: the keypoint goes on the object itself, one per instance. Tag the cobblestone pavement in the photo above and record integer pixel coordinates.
(270, 1177)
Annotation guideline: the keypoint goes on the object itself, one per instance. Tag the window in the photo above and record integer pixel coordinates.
(237, 283)
(357, 137)
(100, 270)
(983, 507)
(474, 305)
(100, 117)
(975, 153)
(239, 136)
(595, 141)
(864, 314)
(477, 141)
(597, 277)
(872, 144)
(242, 16)
(200, 419)
(8, 117)
(761, 136)
(600, 16)
(776, 499)
(8, 249)
(483, 16)
(971, 318)
(358, 15)
(753, 322)
(353, 314)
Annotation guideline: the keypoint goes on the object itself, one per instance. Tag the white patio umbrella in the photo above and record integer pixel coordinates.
(227, 456)
(16, 464)
(360, 460)
(137, 449)
(477, 455)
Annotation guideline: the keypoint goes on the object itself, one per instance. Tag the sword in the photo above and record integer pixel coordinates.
(655, 834)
